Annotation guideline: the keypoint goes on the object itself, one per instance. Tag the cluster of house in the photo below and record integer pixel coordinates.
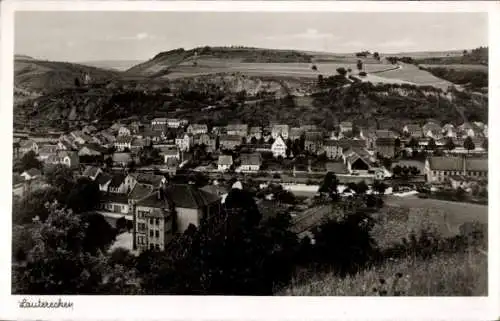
(157, 208)
(350, 149)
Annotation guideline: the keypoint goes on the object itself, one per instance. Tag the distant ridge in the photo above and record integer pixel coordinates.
(23, 57)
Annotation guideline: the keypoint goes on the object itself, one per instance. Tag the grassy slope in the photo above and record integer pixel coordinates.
(446, 274)
(457, 274)
(38, 75)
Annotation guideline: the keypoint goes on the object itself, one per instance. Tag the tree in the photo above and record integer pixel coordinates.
(485, 144)
(242, 202)
(330, 186)
(28, 161)
(99, 234)
(58, 264)
(109, 162)
(431, 145)
(270, 141)
(413, 143)
(406, 171)
(320, 80)
(469, 144)
(359, 65)
(84, 196)
(397, 170)
(33, 205)
(379, 187)
(414, 171)
(376, 55)
(449, 145)
(61, 177)
(314, 68)
(253, 140)
(77, 82)
(341, 71)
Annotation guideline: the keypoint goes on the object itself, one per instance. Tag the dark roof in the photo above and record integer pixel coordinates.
(152, 201)
(140, 191)
(188, 196)
(124, 139)
(445, 163)
(225, 160)
(251, 159)
(103, 178)
(172, 162)
(148, 178)
(385, 133)
(230, 138)
(122, 157)
(385, 141)
(315, 136)
(115, 198)
(33, 172)
(347, 143)
(336, 167)
(117, 180)
(17, 179)
(476, 164)
(90, 170)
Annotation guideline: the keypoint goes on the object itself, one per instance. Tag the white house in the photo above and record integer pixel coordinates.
(280, 130)
(195, 129)
(123, 142)
(184, 142)
(225, 162)
(124, 131)
(279, 147)
(250, 162)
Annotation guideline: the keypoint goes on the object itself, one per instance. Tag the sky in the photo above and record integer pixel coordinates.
(91, 36)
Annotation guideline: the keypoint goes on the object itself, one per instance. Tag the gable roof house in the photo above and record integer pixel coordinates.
(103, 179)
(466, 129)
(295, 133)
(385, 147)
(224, 163)
(345, 126)
(278, 148)
(356, 163)
(195, 129)
(332, 148)
(449, 130)
(124, 131)
(91, 150)
(313, 142)
(123, 142)
(438, 169)
(237, 130)
(28, 145)
(229, 142)
(92, 172)
(280, 130)
(117, 184)
(46, 151)
(412, 130)
(192, 205)
(432, 130)
(250, 162)
(31, 174)
(254, 132)
(184, 141)
(68, 158)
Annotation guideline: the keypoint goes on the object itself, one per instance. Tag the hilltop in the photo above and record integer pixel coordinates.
(44, 76)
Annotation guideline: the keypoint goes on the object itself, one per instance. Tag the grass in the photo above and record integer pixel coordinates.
(458, 67)
(457, 274)
(412, 74)
(462, 273)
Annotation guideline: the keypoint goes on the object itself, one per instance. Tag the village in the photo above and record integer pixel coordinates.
(139, 165)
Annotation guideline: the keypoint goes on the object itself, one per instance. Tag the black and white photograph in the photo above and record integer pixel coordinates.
(247, 153)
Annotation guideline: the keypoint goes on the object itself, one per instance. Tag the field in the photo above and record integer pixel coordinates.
(302, 70)
(414, 75)
(458, 67)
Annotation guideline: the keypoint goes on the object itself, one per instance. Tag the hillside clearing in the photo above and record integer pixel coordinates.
(414, 75)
